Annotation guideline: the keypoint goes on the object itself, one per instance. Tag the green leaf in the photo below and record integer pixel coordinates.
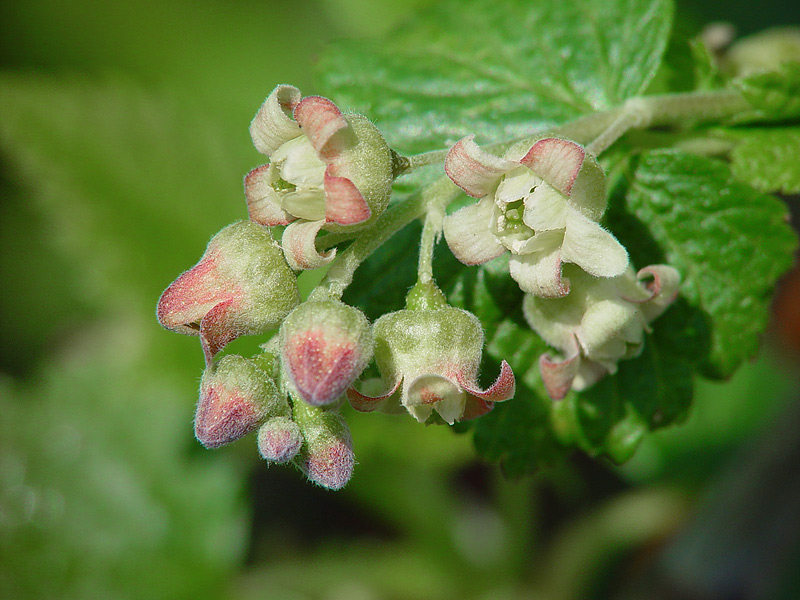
(729, 242)
(767, 159)
(498, 68)
(774, 95)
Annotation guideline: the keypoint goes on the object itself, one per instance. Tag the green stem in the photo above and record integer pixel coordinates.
(341, 270)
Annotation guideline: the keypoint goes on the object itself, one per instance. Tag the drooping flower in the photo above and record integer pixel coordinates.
(325, 346)
(544, 208)
(327, 170)
(430, 358)
(600, 322)
(241, 286)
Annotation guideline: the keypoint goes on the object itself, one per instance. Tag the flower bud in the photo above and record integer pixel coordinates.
(327, 456)
(235, 396)
(279, 440)
(241, 286)
(327, 170)
(434, 354)
(601, 322)
(325, 345)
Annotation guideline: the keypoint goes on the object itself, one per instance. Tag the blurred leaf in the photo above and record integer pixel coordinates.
(99, 494)
(767, 159)
(130, 186)
(499, 69)
(774, 95)
(729, 242)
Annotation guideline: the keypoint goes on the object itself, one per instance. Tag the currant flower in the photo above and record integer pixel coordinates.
(542, 208)
(241, 286)
(430, 354)
(601, 322)
(327, 170)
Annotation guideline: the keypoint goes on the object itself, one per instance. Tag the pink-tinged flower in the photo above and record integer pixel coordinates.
(327, 170)
(325, 346)
(600, 322)
(430, 360)
(279, 440)
(241, 286)
(327, 456)
(544, 208)
(235, 396)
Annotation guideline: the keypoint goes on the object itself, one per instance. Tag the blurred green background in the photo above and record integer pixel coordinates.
(123, 143)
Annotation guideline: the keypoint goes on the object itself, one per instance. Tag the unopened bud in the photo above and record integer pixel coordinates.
(327, 456)
(279, 440)
(241, 286)
(235, 396)
(325, 346)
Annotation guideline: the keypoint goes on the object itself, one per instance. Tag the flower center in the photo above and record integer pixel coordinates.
(299, 177)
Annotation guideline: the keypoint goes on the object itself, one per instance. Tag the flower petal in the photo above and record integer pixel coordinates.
(558, 375)
(299, 246)
(218, 327)
(502, 389)
(263, 202)
(663, 288)
(440, 393)
(545, 209)
(273, 124)
(474, 170)
(539, 273)
(364, 403)
(320, 119)
(556, 161)
(187, 299)
(592, 248)
(344, 204)
(468, 235)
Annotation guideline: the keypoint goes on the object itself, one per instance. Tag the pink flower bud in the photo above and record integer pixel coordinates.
(279, 440)
(327, 456)
(431, 357)
(327, 170)
(325, 346)
(235, 396)
(241, 286)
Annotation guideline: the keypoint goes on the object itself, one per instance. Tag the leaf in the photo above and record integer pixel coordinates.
(767, 159)
(729, 242)
(498, 68)
(775, 95)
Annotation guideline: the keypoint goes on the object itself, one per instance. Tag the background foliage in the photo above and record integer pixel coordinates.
(123, 141)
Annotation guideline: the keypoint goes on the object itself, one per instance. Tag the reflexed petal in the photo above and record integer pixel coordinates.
(474, 170)
(664, 289)
(556, 161)
(299, 246)
(364, 403)
(592, 248)
(273, 124)
(218, 327)
(320, 119)
(344, 204)
(263, 202)
(558, 376)
(468, 235)
(502, 389)
(539, 273)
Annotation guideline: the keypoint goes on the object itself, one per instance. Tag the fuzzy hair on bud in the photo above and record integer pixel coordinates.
(235, 396)
(325, 345)
(327, 456)
(279, 440)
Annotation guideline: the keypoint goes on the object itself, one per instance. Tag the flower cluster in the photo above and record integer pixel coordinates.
(333, 171)
(544, 208)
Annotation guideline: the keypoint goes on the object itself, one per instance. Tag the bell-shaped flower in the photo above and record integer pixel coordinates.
(241, 286)
(326, 456)
(429, 357)
(544, 208)
(325, 345)
(236, 395)
(600, 322)
(327, 170)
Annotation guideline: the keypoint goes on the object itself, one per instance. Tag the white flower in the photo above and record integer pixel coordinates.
(542, 208)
